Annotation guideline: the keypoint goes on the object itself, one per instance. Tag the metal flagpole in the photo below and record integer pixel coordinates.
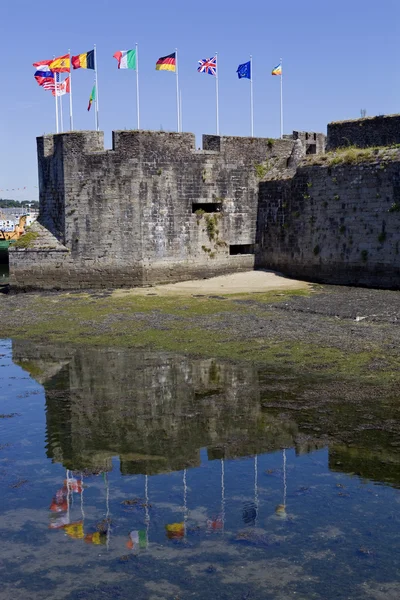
(180, 110)
(97, 88)
(217, 90)
(71, 120)
(137, 87)
(281, 100)
(61, 109)
(251, 97)
(56, 98)
(94, 111)
(177, 88)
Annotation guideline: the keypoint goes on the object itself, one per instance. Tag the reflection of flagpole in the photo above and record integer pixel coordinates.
(97, 88)
(82, 511)
(284, 478)
(217, 91)
(107, 509)
(184, 503)
(251, 97)
(147, 513)
(223, 494)
(256, 485)
(281, 100)
(68, 505)
(137, 90)
(177, 89)
(71, 120)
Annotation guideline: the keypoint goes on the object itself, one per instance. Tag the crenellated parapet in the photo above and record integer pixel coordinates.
(151, 209)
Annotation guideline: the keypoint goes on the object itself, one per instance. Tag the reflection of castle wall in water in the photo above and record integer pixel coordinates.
(155, 411)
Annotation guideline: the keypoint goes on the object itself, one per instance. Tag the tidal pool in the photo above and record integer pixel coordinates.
(146, 475)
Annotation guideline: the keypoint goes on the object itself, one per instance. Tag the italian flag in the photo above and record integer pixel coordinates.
(126, 59)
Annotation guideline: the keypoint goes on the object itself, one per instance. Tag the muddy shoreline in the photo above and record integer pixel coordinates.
(337, 330)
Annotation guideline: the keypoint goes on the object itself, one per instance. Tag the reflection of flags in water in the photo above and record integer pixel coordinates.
(175, 531)
(216, 524)
(74, 485)
(75, 530)
(59, 502)
(137, 539)
(99, 538)
(249, 513)
(59, 522)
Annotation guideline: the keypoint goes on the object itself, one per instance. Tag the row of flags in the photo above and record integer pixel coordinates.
(127, 59)
(48, 74)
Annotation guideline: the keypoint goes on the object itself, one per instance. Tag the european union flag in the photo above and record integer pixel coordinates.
(244, 70)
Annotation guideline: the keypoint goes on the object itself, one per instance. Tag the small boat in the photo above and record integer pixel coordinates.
(10, 231)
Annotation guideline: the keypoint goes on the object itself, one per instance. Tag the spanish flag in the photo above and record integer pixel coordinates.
(84, 61)
(166, 63)
(61, 64)
(277, 70)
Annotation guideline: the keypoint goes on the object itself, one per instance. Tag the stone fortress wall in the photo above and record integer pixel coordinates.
(154, 209)
(337, 220)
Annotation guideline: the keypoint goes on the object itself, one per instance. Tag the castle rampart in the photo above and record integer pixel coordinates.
(155, 209)
(152, 209)
(364, 133)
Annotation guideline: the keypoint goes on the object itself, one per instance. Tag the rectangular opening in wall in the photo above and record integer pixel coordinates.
(236, 249)
(207, 207)
(311, 149)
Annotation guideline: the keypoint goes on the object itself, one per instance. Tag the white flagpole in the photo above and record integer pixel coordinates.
(56, 98)
(61, 108)
(217, 91)
(180, 109)
(281, 100)
(137, 87)
(71, 120)
(94, 109)
(177, 88)
(251, 97)
(97, 89)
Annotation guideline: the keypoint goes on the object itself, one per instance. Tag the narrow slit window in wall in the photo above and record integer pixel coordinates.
(236, 249)
(207, 207)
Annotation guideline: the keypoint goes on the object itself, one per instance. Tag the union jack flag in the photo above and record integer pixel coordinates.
(208, 65)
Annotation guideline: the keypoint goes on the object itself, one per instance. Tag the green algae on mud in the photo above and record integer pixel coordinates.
(237, 327)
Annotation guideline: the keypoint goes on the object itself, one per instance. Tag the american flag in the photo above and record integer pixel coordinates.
(208, 65)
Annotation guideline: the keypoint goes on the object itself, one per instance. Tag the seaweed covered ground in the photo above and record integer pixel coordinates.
(352, 332)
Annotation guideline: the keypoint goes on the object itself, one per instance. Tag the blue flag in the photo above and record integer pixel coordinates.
(244, 70)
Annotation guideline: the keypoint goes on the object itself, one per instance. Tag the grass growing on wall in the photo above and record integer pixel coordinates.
(352, 155)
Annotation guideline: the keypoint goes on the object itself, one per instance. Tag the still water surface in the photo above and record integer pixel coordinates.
(151, 476)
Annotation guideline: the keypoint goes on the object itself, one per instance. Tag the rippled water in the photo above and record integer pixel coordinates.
(148, 475)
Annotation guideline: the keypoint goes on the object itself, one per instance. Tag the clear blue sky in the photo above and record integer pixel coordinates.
(338, 57)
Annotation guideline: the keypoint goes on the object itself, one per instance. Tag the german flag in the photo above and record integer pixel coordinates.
(166, 63)
(84, 61)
